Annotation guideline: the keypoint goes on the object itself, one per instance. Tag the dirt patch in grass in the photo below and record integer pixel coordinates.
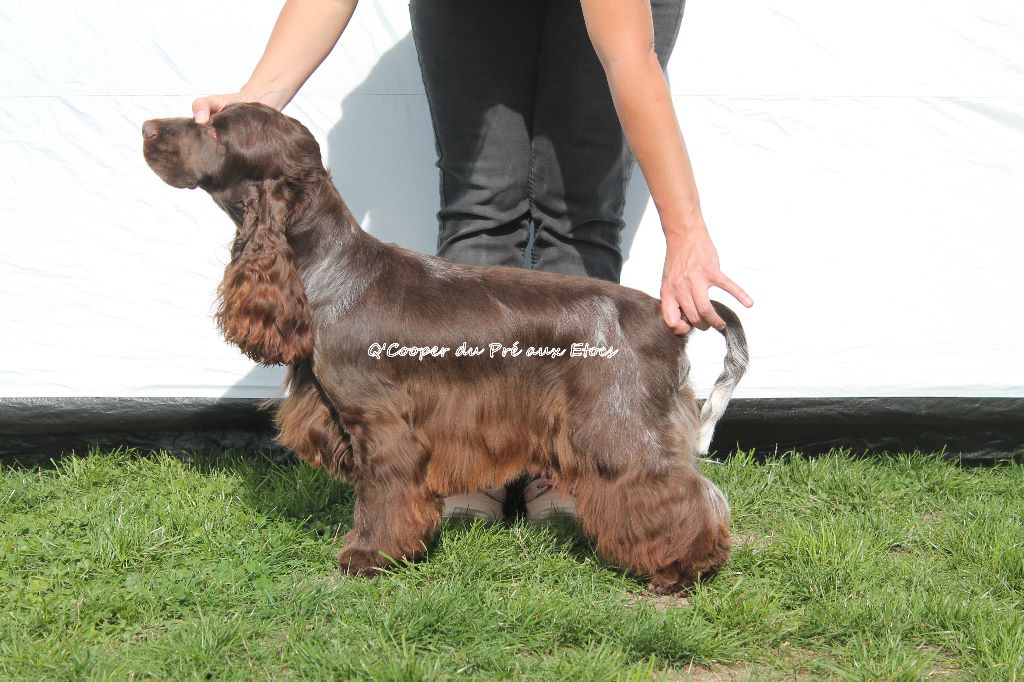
(748, 539)
(723, 673)
(661, 602)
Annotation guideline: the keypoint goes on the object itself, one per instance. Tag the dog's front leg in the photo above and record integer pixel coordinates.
(396, 515)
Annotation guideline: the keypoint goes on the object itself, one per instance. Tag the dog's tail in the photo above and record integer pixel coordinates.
(736, 359)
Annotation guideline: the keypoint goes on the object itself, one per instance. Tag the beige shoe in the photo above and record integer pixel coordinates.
(545, 501)
(485, 505)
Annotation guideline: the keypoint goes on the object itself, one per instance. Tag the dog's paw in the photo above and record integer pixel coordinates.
(362, 562)
(680, 576)
(668, 584)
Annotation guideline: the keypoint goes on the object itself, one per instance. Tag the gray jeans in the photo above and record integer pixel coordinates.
(529, 146)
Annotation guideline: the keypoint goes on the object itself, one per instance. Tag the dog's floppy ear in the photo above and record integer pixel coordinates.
(262, 302)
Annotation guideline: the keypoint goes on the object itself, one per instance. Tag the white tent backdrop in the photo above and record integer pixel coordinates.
(861, 167)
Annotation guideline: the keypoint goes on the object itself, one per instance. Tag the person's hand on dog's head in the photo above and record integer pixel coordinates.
(204, 107)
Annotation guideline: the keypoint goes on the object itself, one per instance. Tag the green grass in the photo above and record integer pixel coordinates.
(121, 566)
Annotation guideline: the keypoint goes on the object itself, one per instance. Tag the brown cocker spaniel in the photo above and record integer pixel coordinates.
(375, 399)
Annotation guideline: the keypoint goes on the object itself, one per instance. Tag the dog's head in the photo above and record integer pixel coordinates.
(261, 167)
(243, 143)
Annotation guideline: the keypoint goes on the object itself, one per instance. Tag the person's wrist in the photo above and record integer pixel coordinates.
(265, 93)
(685, 229)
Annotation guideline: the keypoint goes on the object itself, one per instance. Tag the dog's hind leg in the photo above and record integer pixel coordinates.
(396, 514)
(671, 526)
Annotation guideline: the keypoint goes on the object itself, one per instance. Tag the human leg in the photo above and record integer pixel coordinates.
(478, 61)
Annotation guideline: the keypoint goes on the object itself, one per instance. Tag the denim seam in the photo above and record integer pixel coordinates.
(534, 223)
(536, 227)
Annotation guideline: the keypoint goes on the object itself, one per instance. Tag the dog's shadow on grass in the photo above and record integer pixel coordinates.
(279, 487)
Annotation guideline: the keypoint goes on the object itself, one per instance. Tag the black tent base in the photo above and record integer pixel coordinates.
(971, 429)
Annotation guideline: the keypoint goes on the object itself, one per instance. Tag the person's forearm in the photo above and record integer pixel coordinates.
(648, 119)
(623, 36)
(305, 33)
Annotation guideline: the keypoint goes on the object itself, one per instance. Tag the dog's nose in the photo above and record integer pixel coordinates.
(149, 130)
